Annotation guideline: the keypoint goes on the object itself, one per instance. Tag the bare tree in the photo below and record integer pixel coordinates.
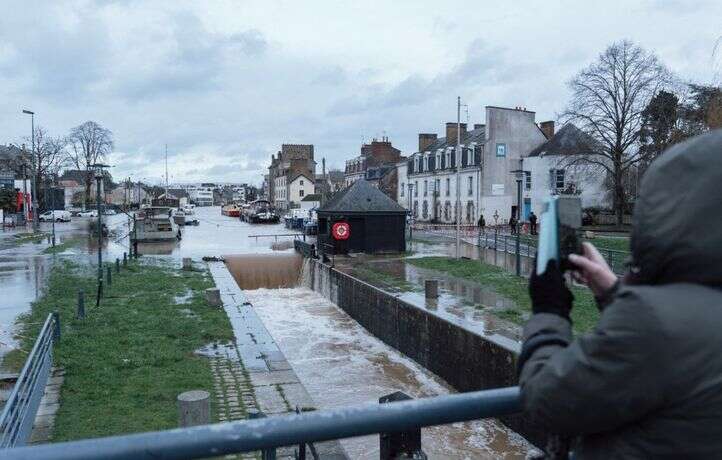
(89, 143)
(608, 100)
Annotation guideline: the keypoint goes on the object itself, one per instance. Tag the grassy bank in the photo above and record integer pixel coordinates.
(584, 314)
(126, 362)
(65, 245)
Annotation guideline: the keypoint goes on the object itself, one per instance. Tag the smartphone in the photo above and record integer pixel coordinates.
(559, 231)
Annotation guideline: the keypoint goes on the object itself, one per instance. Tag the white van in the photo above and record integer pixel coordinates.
(57, 216)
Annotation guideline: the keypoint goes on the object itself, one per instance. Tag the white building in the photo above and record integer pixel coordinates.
(201, 195)
(288, 194)
(557, 167)
(489, 153)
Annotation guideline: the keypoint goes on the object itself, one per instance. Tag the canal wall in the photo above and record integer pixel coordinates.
(467, 360)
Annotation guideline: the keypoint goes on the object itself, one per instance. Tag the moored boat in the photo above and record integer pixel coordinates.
(155, 223)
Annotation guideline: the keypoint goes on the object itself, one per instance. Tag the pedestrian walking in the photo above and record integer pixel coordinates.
(532, 222)
(646, 381)
(481, 223)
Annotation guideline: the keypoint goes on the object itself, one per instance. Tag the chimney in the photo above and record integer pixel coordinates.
(425, 140)
(451, 132)
(479, 125)
(547, 127)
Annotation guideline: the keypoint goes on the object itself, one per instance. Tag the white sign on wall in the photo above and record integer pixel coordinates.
(497, 189)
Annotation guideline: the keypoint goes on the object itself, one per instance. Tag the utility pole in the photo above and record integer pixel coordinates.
(52, 192)
(34, 201)
(166, 171)
(26, 211)
(458, 177)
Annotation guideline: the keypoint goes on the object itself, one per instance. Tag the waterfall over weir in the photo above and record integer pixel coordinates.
(254, 271)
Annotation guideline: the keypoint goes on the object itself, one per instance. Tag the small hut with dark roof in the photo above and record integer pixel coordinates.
(377, 223)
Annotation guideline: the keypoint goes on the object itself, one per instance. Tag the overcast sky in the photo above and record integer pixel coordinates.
(225, 83)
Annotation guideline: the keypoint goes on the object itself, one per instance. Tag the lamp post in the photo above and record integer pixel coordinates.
(34, 167)
(519, 175)
(98, 167)
(457, 162)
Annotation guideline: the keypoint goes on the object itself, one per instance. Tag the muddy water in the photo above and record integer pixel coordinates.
(253, 271)
(340, 363)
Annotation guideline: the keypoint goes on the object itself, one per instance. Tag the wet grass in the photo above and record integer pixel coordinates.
(127, 361)
(584, 313)
(23, 238)
(64, 246)
(382, 279)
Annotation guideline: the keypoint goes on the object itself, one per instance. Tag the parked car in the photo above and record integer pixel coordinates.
(109, 212)
(57, 216)
(91, 213)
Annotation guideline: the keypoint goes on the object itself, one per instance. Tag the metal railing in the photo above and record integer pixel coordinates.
(18, 415)
(269, 433)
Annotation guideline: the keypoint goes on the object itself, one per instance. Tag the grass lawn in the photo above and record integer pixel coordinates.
(382, 279)
(67, 244)
(616, 243)
(127, 361)
(584, 313)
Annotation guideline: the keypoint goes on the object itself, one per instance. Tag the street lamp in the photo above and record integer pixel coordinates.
(519, 175)
(34, 171)
(98, 167)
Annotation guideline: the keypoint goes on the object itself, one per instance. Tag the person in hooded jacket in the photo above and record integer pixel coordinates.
(646, 382)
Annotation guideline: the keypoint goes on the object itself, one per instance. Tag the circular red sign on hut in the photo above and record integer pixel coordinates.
(341, 230)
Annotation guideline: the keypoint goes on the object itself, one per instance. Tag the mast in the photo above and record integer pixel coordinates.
(166, 171)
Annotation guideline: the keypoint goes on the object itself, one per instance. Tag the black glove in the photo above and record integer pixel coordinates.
(549, 293)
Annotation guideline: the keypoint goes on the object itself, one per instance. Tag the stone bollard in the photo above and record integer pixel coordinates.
(213, 297)
(125, 259)
(431, 288)
(187, 263)
(81, 304)
(117, 265)
(194, 408)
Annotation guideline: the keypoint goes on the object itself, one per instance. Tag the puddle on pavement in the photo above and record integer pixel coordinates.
(215, 350)
(340, 363)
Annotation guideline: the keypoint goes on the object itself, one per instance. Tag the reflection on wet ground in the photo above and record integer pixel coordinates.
(340, 363)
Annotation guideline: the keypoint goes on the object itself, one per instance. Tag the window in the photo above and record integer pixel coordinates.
(425, 210)
(437, 187)
(402, 189)
(301, 182)
(471, 185)
(416, 188)
(527, 180)
(559, 179)
(416, 208)
(448, 187)
(426, 188)
(501, 150)
(300, 193)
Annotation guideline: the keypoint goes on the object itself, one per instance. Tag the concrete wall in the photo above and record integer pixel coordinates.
(466, 360)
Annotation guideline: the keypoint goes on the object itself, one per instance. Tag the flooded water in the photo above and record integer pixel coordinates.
(340, 363)
(24, 268)
(253, 271)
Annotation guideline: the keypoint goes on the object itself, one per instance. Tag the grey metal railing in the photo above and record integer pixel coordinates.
(269, 433)
(18, 415)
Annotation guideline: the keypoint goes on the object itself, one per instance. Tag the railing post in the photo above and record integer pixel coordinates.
(399, 444)
(56, 329)
(266, 454)
(81, 304)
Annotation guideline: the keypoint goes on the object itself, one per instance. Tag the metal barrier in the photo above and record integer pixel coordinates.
(305, 249)
(269, 433)
(16, 421)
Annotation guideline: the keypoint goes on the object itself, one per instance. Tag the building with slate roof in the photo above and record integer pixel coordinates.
(489, 152)
(373, 155)
(377, 223)
(558, 166)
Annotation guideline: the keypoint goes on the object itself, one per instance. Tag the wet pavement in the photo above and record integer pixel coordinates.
(340, 363)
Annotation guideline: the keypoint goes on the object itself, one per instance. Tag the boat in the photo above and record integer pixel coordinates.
(179, 217)
(295, 219)
(189, 209)
(231, 210)
(155, 223)
(261, 212)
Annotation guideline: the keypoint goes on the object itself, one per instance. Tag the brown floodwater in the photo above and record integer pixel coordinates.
(253, 271)
(340, 363)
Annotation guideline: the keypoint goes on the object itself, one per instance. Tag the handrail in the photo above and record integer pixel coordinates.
(18, 415)
(267, 433)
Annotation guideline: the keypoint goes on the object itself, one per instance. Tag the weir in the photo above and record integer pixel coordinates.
(342, 356)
